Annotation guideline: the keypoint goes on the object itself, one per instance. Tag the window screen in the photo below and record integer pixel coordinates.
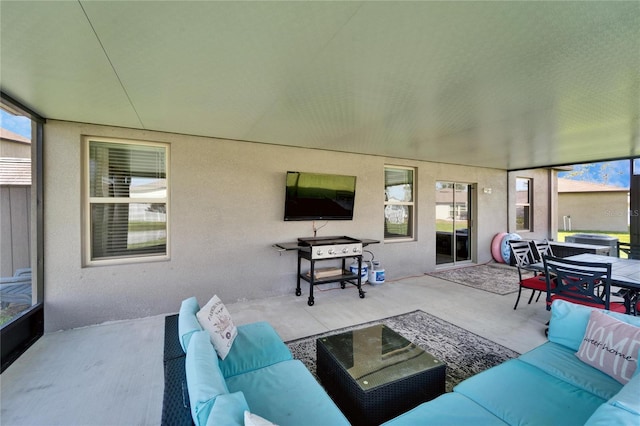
(127, 199)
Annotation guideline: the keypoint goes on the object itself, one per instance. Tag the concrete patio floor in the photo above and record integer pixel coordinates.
(112, 374)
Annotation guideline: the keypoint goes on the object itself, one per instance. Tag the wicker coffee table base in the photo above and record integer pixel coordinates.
(382, 403)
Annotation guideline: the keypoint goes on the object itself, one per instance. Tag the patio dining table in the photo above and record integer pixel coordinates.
(625, 273)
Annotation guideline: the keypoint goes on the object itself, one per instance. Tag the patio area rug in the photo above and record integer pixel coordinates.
(465, 353)
(494, 278)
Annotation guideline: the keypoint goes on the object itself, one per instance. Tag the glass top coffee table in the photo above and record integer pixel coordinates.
(374, 374)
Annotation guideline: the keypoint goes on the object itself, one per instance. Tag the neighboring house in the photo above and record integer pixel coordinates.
(592, 206)
(15, 199)
(13, 145)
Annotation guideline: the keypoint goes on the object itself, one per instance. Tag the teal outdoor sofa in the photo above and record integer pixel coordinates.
(548, 385)
(259, 375)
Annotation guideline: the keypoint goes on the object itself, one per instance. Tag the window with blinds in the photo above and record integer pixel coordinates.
(126, 202)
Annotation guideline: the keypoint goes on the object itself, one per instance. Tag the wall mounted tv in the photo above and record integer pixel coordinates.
(319, 196)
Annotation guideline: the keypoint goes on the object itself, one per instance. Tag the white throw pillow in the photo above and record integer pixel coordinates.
(611, 346)
(215, 318)
(251, 419)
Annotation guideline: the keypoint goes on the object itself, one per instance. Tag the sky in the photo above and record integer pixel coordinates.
(16, 124)
(614, 173)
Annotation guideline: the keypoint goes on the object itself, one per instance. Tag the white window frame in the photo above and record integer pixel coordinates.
(88, 201)
(411, 204)
(528, 204)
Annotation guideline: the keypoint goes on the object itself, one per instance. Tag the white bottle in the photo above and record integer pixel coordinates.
(353, 268)
(376, 273)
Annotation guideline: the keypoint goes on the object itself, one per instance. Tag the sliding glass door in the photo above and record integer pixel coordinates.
(453, 222)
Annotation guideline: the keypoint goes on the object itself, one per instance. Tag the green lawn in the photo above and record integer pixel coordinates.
(445, 225)
(147, 226)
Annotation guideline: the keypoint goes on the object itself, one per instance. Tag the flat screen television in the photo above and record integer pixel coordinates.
(319, 196)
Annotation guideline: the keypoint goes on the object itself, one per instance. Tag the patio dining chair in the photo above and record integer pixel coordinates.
(543, 248)
(631, 250)
(583, 283)
(523, 256)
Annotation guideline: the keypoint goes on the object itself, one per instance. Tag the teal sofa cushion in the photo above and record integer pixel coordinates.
(622, 409)
(562, 363)
(609, 415)
(204, 378)
(228, 410)
(569, 322)
(187, 321)
(629, 396)
(257, 345)
(449, 409)
(518, 392)
(287, 394)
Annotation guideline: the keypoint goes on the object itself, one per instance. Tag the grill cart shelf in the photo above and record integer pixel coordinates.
(345, 278)
(328, 248)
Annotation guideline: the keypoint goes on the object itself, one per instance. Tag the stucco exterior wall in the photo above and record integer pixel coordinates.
(595, 211)
(227, 200)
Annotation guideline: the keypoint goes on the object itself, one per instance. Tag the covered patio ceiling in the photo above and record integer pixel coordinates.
(507, 85)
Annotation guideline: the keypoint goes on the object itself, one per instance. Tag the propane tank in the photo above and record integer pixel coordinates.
(376, 273)
(364, 270)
